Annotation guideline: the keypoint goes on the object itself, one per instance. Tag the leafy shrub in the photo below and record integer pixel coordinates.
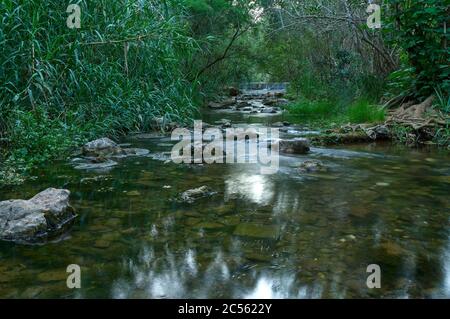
(419, 27)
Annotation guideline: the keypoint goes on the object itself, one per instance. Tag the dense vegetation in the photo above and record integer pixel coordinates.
(62, 86)
(133, 61)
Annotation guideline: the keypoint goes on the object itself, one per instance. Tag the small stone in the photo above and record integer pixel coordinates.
(53, 275)
(133, 193)
(382, 184)
(101, 243)
(392, 248)
(209, 225)
(258, 256)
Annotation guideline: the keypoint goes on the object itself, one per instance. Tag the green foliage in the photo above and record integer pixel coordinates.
(222, 31)
(418, 27)
(442, 136)
(443, 100)
(404, 134)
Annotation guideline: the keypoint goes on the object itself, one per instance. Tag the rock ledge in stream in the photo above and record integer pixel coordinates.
(104, 147)
(295, 146)
(46, 215)
(97, 154)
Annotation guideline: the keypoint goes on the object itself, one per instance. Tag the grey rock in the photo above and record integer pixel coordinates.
(102, 147)
(46, 215)
(378, 132)
(222, 104)
(268, 110)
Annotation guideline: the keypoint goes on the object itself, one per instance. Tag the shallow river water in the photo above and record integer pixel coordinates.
(285, 235)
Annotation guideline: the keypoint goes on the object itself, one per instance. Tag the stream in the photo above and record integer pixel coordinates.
(285, 235)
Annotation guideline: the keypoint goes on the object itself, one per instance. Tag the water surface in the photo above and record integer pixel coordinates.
(285, 235)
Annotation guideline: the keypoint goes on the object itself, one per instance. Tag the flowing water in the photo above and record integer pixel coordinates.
(285, 235)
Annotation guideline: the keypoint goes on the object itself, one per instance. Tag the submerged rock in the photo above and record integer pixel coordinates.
(295, 146)
(311, 166)
(46, 215)
(95, 163)
(192, 195)
(136, 151)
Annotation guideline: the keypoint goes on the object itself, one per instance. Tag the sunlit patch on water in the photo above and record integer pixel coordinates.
(255, 188)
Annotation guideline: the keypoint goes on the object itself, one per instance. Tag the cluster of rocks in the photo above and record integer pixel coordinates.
(99, 154)
(45, 216)
(265, 103)
(351, 134)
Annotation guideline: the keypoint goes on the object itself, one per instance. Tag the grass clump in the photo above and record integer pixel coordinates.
(313, 109)
(330, 111)
(363, 112)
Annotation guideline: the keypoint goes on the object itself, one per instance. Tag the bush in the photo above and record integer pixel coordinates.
(419, 28)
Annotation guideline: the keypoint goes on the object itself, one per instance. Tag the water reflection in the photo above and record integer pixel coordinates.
(258, 189)
(170, 276)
